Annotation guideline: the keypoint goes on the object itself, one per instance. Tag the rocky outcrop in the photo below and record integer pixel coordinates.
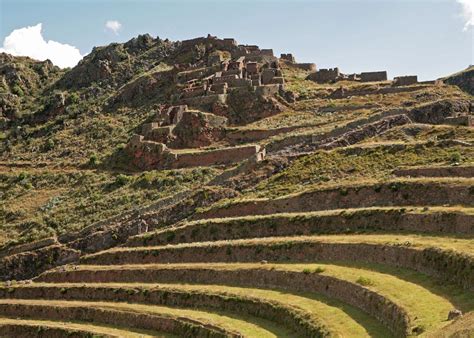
(367, 131)
(117, 63)
(464, 80)
(147, 87)
(28, 264)
(437, 112)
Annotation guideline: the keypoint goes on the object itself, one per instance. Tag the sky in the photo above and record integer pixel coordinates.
(428, 38)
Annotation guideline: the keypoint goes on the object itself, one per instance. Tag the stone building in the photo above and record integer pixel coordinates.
(288, 57)
(373, 76)
(325, 75)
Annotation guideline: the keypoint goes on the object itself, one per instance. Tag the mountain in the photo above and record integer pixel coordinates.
(265, 196)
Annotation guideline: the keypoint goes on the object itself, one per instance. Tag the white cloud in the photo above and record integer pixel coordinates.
(467, 12)
(28, 41)
(113, 25)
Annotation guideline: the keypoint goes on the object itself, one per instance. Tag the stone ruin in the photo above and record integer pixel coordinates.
(248, 74)
(291, 59)
(216, 82)
(332, 75)
(325, 75)
(373, 76)
(177, 127)
(405, 80)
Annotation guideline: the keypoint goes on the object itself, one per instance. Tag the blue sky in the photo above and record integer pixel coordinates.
(430, 38)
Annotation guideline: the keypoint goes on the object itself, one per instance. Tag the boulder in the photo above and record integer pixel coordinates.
(453, 314)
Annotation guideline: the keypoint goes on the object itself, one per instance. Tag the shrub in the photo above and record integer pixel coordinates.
(319, 269)
(122, 180)
(364, 281)
(455, 157)
(48, 145)
(74, 98)
(170, 237)
(93, 159)
(17, 90)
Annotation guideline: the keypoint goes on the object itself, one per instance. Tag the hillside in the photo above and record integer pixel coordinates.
(205, 188)
(463, 80)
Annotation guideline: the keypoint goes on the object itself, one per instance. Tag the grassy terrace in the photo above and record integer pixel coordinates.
(357, 164)
(435, 220)
(326, 314)
(423, 132)
(70, 328)
(245, 325)
(426, 302)
(273, 190)
(418, 241)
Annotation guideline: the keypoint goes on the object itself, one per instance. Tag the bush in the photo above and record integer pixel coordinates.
(455, 157)
(364, 281)
(319, 269)
(122, 180)
(48, 145)
(73, 98)
(18, 91)
(93, 159)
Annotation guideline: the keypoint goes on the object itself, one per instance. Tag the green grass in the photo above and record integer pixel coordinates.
(338, 318)
(245, 325)
(349, 165)
(417, 241)
(426, 301)
(70, 327)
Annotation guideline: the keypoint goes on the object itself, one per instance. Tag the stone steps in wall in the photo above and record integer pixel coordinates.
(400, 299)
(449, 221)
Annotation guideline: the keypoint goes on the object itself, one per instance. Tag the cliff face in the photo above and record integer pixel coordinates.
(464, 80)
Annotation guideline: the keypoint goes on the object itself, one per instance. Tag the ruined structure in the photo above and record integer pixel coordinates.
(288, 57)
(325, 75)
(177, 127)
(243, 71)
(311, 67)
(373, 76)
(405, 80)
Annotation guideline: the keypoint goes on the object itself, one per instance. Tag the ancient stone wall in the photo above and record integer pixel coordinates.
(368, 301)
(262, 308)
(373, 76)
(399, 193)
(358, 220)
(405, 80)
(466, 120)
(325, 75)
(288, 57)
(26, 265)
(463, 171)
(215, 157)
